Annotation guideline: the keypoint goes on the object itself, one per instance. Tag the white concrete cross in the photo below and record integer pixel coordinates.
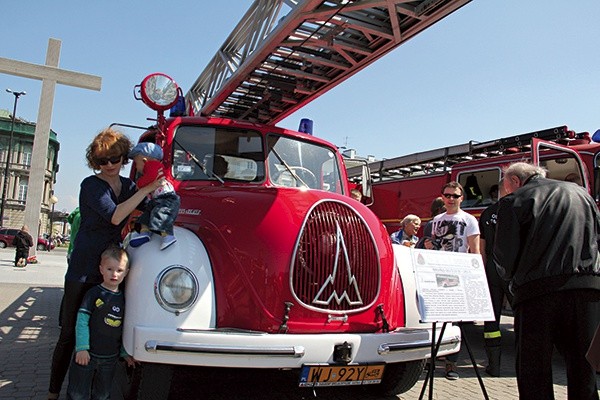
(50, 75)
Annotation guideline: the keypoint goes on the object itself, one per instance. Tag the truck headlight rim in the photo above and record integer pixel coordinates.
(163, 288)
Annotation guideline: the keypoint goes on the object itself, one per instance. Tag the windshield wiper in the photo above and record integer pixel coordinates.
(291, 171)
(199, 163)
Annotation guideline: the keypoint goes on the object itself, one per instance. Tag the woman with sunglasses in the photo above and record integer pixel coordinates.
(105, 201)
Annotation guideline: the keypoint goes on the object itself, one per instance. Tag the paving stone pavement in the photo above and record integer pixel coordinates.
(29, 302)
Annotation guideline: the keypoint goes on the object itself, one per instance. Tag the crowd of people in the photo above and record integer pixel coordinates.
(539, 243)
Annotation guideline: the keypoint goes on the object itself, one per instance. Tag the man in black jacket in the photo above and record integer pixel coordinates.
(22, 241)
(546, 245)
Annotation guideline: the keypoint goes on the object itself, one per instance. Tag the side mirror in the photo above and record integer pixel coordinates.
(366, 183)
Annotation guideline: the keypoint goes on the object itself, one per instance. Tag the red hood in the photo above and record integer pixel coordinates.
(261, 245)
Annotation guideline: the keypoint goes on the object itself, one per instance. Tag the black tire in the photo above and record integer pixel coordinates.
(155, 381)
(399, 378)
(3, 245)
(40, 247)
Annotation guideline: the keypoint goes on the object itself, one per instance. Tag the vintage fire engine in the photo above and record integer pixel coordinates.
(275, 265)
(408, 184)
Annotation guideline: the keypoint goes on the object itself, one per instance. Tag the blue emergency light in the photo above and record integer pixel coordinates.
(306, 126)
(178, 110)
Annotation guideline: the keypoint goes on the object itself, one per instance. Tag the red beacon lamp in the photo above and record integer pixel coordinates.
(159, 92)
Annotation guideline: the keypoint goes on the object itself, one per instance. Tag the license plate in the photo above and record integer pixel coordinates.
(340, 375)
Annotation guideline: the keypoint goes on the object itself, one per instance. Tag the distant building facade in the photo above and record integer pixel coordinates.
(18, 173)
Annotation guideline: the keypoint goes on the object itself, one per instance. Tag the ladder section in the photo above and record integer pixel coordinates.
(269, 67)
(441, 159)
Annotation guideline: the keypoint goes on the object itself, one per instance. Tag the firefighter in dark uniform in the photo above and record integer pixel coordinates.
(498, 287)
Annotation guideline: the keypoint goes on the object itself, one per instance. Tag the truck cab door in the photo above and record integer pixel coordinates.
(560, 168)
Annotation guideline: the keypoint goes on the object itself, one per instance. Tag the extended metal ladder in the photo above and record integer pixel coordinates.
(270, 67)
(441, 159)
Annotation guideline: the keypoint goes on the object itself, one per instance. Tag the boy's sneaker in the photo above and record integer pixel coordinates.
(167, 241)
(138, 239)
(451, 373)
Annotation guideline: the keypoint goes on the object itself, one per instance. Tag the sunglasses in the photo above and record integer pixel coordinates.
(452, 196)
(112, 160)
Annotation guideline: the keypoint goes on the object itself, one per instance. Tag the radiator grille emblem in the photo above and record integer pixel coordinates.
(330, 281)
(335, 268)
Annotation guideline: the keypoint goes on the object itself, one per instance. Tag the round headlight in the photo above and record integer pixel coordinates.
(176, 289)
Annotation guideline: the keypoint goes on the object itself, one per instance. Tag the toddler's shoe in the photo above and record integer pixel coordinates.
(138, 239)
(167, 241)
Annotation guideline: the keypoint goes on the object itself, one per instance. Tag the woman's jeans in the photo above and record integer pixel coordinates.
(95, 378)
(63, 352)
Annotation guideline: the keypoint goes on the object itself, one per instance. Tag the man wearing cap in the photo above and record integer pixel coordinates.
(163, 208)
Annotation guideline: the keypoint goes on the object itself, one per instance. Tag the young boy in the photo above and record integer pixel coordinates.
(162, 209)
(98, 331)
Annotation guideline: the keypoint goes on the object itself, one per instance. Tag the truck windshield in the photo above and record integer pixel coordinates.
(294, 163)
(225, 154)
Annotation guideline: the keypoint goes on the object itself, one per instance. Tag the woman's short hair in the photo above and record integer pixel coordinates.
(437, 206)
(108, 143)
(409, 218)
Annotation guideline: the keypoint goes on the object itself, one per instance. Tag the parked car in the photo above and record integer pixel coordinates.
(8, 234)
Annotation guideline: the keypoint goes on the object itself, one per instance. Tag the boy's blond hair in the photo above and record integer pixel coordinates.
(116, 253)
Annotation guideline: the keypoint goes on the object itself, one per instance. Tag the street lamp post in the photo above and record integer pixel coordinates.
(8, 154)
(53, 200)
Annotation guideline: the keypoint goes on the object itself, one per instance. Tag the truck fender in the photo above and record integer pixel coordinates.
(403, 260)
(148, 266)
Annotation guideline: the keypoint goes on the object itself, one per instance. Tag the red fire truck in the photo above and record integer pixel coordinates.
(408, 184)
(275, 265)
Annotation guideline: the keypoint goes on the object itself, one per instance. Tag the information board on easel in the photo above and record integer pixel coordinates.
(451, 287)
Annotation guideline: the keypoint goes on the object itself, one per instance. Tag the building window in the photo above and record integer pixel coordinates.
(23, 189)
(26, 155)
(3, 149)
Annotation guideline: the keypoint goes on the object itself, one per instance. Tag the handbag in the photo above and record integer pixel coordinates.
(593, 353)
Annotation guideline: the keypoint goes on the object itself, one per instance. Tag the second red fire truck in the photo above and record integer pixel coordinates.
(408, 184)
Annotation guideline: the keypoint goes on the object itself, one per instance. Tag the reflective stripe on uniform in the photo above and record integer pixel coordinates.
(491, 335)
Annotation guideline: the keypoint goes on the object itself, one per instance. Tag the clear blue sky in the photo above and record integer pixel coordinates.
(494, 68)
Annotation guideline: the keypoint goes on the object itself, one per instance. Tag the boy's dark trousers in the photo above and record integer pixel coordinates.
(94, 379)
(161, 212)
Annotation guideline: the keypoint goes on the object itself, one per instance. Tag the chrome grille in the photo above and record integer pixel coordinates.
(336, 263)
